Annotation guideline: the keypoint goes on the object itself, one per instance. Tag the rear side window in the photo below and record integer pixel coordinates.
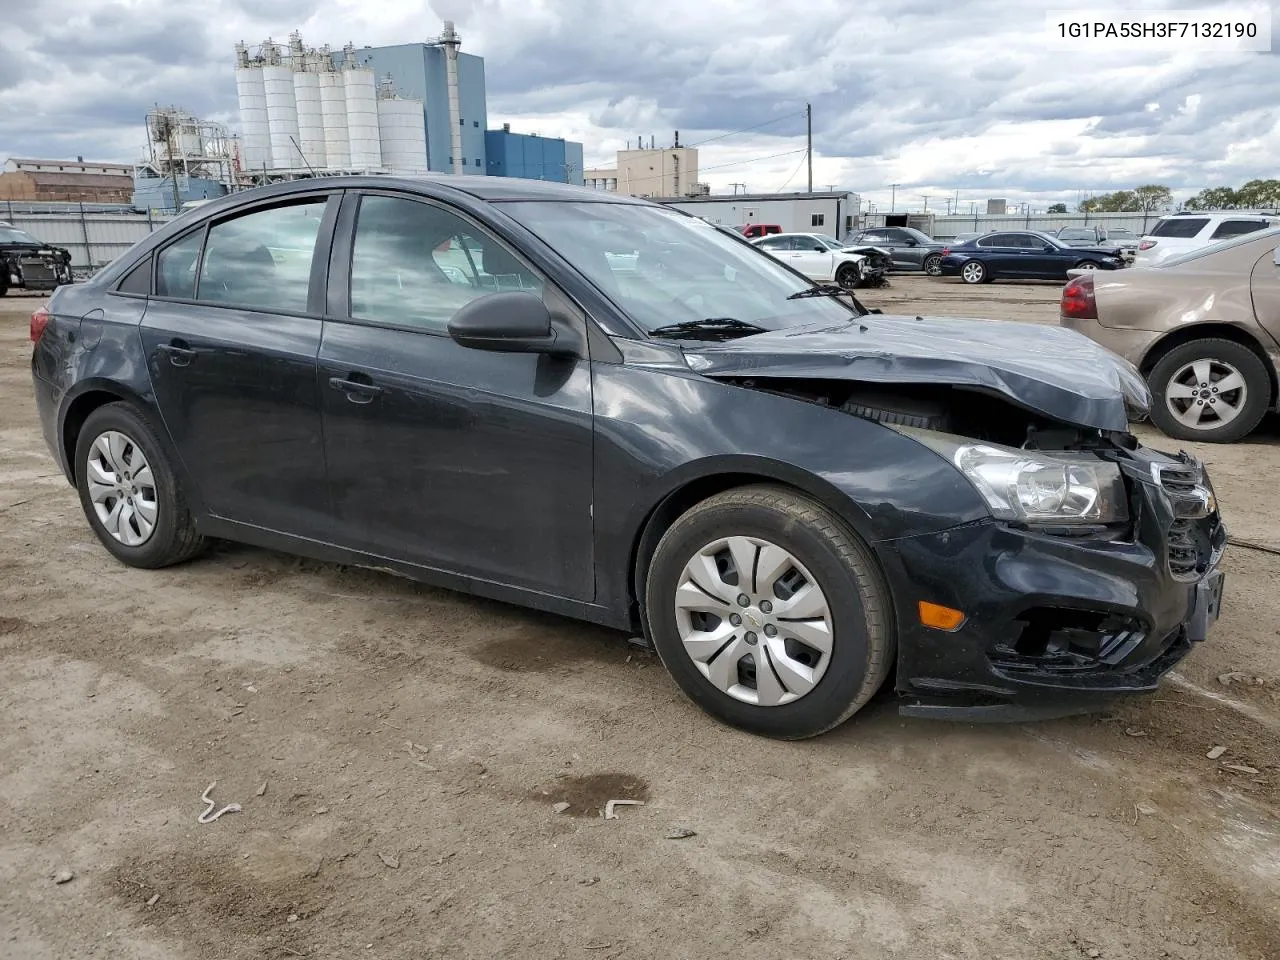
(138, 280)
(998, 240)
(1237, 228)
(1183, 227)
(176, 270)
(262, 260)
(414, 264)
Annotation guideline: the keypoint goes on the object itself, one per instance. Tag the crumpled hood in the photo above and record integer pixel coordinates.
(1050, 370)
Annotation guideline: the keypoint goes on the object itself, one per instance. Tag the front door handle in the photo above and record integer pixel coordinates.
(356, 391)
(180, 355)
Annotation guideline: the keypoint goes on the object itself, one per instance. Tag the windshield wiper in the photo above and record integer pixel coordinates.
(721, 328)
(821, 290)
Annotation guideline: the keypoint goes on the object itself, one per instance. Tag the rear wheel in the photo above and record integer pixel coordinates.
(769, 612)
(933, 265)
(975, 271)
(1212, 390)
(129, 491)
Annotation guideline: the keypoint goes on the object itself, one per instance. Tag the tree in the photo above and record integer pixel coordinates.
(1058, 208)
(1151, 197)
(1259, 194)
(1214, 198)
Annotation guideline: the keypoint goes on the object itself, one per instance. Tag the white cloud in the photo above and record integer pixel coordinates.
(937, 97)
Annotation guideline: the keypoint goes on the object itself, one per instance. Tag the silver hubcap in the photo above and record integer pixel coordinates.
(1206, 394)
(122, 488)
(754, 621)
(1087, 266)
(972, 272)
(933, 266)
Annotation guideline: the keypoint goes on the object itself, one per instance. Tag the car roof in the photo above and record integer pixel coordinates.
(481, 187)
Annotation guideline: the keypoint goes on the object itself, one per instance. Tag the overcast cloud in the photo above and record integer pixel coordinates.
(939, 97)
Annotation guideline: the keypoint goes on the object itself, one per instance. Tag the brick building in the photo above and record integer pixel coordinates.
(66, 180)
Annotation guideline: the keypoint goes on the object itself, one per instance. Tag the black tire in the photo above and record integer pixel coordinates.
(174, 538)
(932, 265)
(1086, 265)
(1257, 381)
(863, 635)
(849, 276)
(979, 275)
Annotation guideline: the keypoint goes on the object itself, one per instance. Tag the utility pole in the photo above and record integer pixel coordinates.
(808, 130)
(925, 198)
(893, 196)
(948, 199)
(736, 186)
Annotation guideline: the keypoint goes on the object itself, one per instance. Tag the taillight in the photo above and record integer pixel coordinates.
(39, 320)
(1147, 244)
(1078, 300)
(946, 251)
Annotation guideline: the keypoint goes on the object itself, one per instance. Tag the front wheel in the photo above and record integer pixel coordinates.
(933, 265)
(1212, 390)
(974, 271)
(849, 276)
(769, 612)
(129, 492)
(1086, 265)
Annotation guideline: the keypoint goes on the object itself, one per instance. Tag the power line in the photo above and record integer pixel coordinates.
(793, 173)
(734, 133)
(774, 156)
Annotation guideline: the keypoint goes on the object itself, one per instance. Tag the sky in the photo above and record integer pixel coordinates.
(960, 100)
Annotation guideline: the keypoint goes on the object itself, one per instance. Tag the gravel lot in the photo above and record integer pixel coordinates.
(412, 742)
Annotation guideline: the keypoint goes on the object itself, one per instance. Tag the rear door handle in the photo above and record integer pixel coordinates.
(180, 355)
(356, 391)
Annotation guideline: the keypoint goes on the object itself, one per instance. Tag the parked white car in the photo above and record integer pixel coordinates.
(1181, 233)
(826, 260)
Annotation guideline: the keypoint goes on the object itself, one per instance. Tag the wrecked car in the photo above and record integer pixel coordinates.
(788, 497)
(821, 258)
(28, 264)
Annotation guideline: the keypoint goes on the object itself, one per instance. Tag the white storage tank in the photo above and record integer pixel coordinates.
(362, 118)
(403, 135)
(255, 132)
(306, 91)
(333, 112)
(282, 115)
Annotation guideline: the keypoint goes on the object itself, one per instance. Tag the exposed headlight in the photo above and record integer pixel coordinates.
(1033, 486)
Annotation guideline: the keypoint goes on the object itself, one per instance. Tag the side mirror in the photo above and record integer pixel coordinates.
(818, 248)
(508, 322)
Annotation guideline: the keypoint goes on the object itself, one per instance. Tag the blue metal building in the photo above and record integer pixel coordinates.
(418, 71)
(532, 157)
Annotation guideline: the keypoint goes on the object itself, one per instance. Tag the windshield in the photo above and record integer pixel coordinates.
(663, 267)
(13, 235)
(916, 235)
(1120, 233)
(1077, 234)
(827, 242)
(1264, 240)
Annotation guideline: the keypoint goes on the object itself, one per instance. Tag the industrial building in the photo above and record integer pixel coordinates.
(406, 109)
(187, 159)
(66, 181)
(532, 157)
(835, 214)
(655, 172)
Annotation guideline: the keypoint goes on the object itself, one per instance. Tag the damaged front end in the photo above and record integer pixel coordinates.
(874, 265)
(1097, 567)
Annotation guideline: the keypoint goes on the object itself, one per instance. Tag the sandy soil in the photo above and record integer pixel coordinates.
(397, 751)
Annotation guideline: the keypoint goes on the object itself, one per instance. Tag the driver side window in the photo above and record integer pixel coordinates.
(414, 264)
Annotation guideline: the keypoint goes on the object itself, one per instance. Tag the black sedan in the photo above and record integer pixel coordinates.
(1023, 255)
(788, 496)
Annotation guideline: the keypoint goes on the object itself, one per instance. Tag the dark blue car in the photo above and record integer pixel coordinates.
(1023, 255)
(605, 408)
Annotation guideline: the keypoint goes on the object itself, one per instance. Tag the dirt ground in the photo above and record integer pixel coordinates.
(397, 751)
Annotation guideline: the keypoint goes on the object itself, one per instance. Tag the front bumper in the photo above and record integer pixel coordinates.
(1056, 625)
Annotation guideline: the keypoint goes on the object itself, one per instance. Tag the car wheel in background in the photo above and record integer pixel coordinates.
(933, 265)
(975, 271)
(129, 492)
(1212, 390)
(769, 612)
(849, 276)
(1086, 265)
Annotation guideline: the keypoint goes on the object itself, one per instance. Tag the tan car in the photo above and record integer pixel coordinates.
(1203, 327)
